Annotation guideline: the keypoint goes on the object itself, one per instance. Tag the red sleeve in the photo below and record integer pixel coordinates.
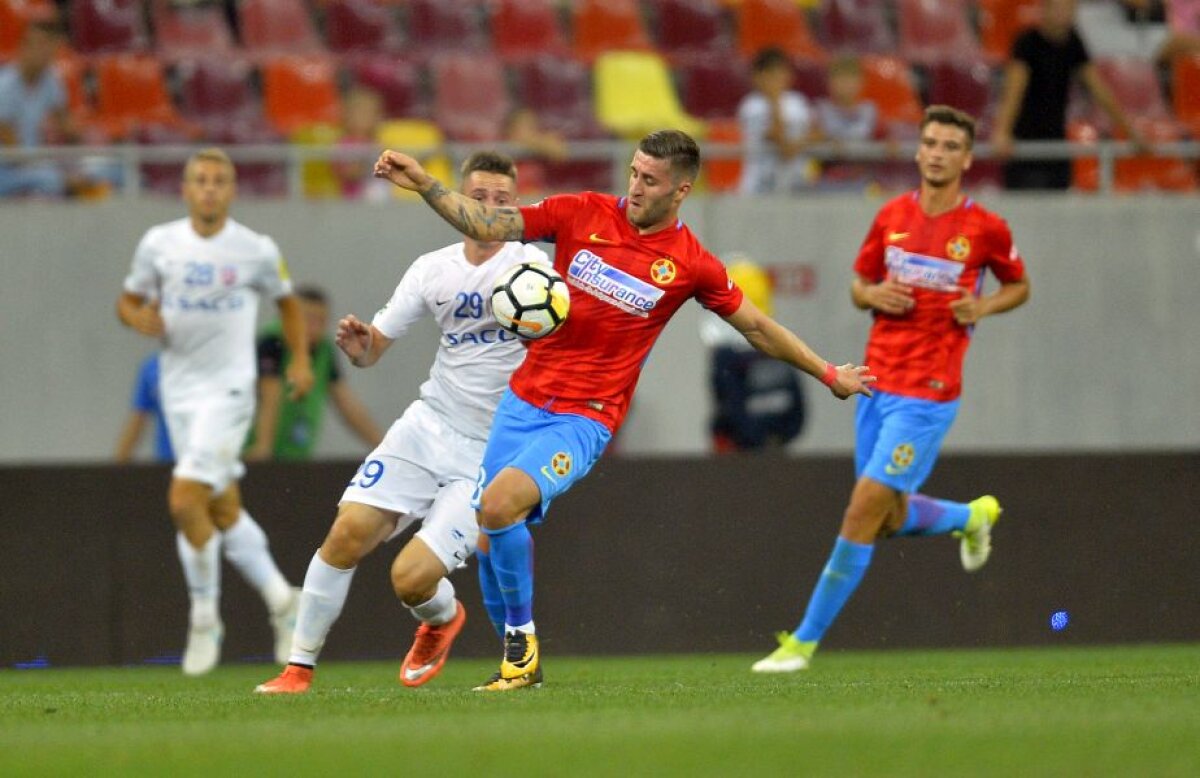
(715, 290)
(544, 219)
(869, 263)
(1004, 259)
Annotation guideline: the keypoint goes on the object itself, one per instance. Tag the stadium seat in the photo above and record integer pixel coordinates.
(1185, 91)
(713, 88)
(781, 23)
(423, 140)
(689, 30)
(14, 15)
(857, 27)
(131, 93)
(890, 83)
(107, 26)
(396, 79)
(189, 32)
(360, 25)
(723, 175)
(317, 178)
(470, 100)
(1136, 174)
(810, 78)
(560, 93)
(217, 91)
(527, 29)
(1000, 21)
(72, 69)
(634, 95)
(607, 25)
(933, 30)
(1134, 84)
(273, 28)
(964, 85)
(436, 26)
(299, 91)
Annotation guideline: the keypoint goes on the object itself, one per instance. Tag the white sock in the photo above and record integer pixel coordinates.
(245, 546)
(321, 602)
(202, 571)
(527, 628)
(438, 609)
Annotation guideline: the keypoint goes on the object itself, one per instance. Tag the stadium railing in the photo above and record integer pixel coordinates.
(123, 163)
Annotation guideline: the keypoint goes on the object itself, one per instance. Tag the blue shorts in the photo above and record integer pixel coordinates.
(898, 438)
(554, 449)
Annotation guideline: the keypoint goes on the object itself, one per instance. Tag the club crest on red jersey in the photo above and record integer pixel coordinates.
(958, 248)
(662, 271)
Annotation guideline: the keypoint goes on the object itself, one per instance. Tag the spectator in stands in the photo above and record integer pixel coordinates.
(758, 401)
(288, 429)
(777, 125)
(1033, 102)
(846, 117)
(33, 113)
(534, 147)
(145, 408)
(362, 111)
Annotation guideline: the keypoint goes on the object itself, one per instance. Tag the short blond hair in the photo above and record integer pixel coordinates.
(210, 154)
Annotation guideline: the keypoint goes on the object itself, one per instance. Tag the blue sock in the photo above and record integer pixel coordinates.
(512, 560)
(927, 516)
(845, 570)
(493, 602)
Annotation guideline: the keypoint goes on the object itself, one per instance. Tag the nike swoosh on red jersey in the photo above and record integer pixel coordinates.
(594, 238)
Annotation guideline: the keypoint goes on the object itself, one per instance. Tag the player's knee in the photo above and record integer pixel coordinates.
(862, 523)
(347, 542)
(412, 584)
(497, 510)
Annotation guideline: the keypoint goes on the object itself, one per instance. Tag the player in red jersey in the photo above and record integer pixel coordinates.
(630, 263)
(920, 271)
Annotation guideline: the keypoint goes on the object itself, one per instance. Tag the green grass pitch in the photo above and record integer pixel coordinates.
(1056, 712)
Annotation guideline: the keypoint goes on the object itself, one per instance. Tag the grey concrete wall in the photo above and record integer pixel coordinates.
(1102, 358)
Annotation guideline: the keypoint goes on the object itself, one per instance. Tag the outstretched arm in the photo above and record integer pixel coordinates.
(773, 339)
(362, 343)
(470, 217)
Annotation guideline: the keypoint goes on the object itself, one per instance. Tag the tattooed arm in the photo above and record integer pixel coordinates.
(470, 217)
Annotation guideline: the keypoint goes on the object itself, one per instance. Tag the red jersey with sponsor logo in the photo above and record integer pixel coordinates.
(624, 289)
(920, 353)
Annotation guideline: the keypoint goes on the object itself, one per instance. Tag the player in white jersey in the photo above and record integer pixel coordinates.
(425, 468)
(195, 285)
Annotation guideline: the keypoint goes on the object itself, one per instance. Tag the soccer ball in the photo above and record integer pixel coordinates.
(530, 300)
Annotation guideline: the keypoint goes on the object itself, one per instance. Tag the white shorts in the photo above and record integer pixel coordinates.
(208, 435)
(424, 470)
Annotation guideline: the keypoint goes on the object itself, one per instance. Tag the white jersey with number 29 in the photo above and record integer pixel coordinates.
(475, 357)
(209, 290)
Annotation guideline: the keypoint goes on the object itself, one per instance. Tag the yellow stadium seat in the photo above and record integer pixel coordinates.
(316, 175)
(421, 139)
(635, 95)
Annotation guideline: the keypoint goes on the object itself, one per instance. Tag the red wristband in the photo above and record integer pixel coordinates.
(830, 374)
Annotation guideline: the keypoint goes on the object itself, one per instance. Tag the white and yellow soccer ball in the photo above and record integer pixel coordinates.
(530, 300)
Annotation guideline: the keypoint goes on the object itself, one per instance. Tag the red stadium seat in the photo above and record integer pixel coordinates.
(437, 25)
(527, 29)
(300, 91)
(560, 93)
(104, 26)
(470, 100)
(217, 92)
(1185, 91)
(723, 175)
(858, 27)
(1137, 174)
(810, 78)
(964, 85)
(781, 23)
(692, 29)
(131, 93)
(713, 88)
(890, 83)
(608, 25)
(14, 15)
(932, 30)
(1000, 21)
(272, 28)
(189, 32)
(1135, 85)
(360, 25)
(396, 79)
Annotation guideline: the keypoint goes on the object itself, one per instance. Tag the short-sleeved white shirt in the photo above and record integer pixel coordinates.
(475, 357)
(764, 171)
(209, 290)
